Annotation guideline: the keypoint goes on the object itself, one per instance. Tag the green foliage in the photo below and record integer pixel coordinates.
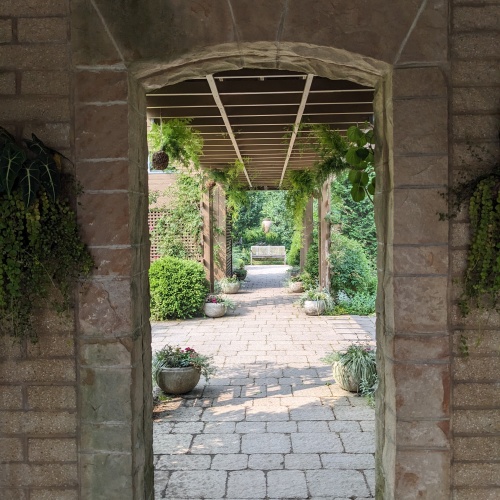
(236, 196)
(316, 294)
(183, 144)
(359, 363)
(356, 218)
(312, 259)
(182, 218)
(361, 303)
(174, 357)
(178, 288)
(293, 256)
(41, 254)
(350, 269)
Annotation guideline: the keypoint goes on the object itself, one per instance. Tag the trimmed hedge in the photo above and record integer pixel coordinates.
(178, 288)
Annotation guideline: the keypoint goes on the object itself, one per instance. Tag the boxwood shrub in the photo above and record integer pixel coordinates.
(178, 288)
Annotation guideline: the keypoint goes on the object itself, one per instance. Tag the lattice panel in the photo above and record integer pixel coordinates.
(192, 246)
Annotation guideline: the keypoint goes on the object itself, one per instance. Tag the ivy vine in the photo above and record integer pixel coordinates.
(41, 253)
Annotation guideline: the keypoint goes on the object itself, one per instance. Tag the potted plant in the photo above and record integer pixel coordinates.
(216, 305)
(177, 371)
(315, 301)
(354, 368)
(295, 284)
(230, 284)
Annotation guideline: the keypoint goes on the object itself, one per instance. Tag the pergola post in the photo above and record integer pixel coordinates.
(307, 233)
(220, 232)
(324, 236)
(208, 235)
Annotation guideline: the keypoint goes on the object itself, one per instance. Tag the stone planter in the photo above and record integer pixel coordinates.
(230, 288)
(345, 380)
(296, 287)
(178, 380)
(214, 310)
(314, 307)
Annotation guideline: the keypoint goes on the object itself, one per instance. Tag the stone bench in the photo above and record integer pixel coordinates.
(267, 252)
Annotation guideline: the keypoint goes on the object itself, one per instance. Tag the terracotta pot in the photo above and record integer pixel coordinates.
(296, 287)
(314, 307)
(345, 380)
(178, 380)
(230, 287)
(214, 310)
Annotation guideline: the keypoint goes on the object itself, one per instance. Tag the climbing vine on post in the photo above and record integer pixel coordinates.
(41, 253)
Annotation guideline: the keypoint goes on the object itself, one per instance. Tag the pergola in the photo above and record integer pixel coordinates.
(258, 117)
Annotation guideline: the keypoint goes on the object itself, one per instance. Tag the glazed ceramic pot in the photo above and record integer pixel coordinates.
(314, 307)
(230, 287)
(178, 380)
(296, 287)
(214, 310)
(345, 380)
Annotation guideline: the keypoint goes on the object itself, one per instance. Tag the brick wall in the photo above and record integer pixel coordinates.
(38, 422)
(475, 97)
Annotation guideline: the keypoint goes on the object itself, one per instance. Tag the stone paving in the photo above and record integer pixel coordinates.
(272, 424)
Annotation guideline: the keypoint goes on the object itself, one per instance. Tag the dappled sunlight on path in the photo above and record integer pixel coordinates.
(272, 424)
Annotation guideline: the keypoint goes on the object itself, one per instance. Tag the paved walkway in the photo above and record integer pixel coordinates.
(272, 424)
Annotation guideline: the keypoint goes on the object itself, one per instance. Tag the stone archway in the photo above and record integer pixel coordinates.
(119, 49)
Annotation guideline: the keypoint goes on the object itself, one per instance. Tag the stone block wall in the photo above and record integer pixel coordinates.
(475, 121)
(38, 382)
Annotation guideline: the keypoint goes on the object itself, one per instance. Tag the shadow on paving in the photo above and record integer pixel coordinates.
(272, 424)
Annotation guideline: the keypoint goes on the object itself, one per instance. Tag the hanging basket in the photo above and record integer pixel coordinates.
(160, 160)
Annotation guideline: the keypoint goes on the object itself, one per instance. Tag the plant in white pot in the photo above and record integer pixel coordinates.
(177, 371)
(217, 305)
(355, 369)
(230, 284)
(315, 301)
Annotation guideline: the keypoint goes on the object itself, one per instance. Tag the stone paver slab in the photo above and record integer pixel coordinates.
(246, 484)
(197, 484)
(215, 443)
(172, 443)
(265, 443)
(358, 442)
(286, 484)
(183, 462)
(230, 461)
(266, 461)
(302, 461)
(316, 442)
(348, 460)
(337, 483)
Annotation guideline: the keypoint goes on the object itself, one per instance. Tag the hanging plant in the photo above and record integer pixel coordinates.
(228, 179)
(41, 253)
(174, 142)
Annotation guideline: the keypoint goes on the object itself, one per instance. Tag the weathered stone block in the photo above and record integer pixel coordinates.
(475, 100)
(105, 354)
(475, 127)
(52, 450)
(55, 135)
(420, 171)
(105, 308)
(15, 494)
(426, 131)
(9, 349)
(421, 82)
(421, 433)
(51, 398)
(420, 304)
(197, 484)
(103, 175)
(40, 29)
(34, 57)
(35, 370)
(11, 450)
(104, 219)
(476, 494)
(38, 423)
(49, 475)
(5, 30)
(102, 131)
(7, 83)
(53, 109)
(475, 18)
(423, 474)
(420, 260)
(459, 234)
(475, 72)
(52, 345)
(113, 437)
(476, 422)
(18, 8)
(45, 82)
(471, 474)
(422, 391)
(58, 494)
(476, 448)
(478, 45)
(479, 341)
(486, 395)
(101, 86)
(476, 369)
(11, 397)
(106, 395)
(421, 348)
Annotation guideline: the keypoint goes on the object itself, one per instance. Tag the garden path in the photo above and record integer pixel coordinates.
(272, 424)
